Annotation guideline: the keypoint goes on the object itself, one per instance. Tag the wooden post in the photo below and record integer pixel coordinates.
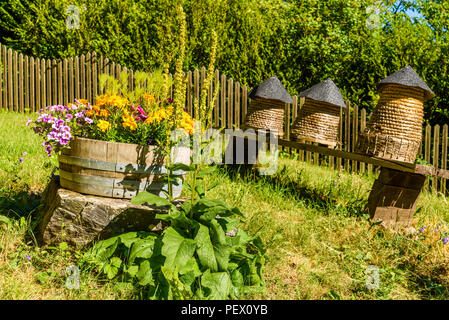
(394, 196)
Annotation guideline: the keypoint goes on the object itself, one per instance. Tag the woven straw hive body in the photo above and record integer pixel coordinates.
(319, 118)
(394, 130)
(266, 110)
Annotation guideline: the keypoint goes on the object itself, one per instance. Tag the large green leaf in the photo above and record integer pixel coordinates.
(205, 249)
(177, 219)
(105, 248)
(176, 249)
(111, 269)
(151, 199)
(206, 209)
(145, 275)
(142, 248)
(216, 285)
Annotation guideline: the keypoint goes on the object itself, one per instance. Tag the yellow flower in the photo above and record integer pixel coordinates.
(129, 122)
(103, 125)
(82, 101)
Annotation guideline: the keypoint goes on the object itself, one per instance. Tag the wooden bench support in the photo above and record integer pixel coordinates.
(394, 196)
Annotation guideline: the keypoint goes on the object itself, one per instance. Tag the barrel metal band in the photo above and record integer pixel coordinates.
(116, 167)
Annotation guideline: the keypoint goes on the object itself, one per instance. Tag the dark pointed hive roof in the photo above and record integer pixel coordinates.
(407, 77)
(272, 89)
(325, 91)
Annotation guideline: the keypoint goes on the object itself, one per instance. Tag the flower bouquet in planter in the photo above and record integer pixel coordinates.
(114, 147)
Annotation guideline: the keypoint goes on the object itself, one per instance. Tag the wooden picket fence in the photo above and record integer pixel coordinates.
(29, 84)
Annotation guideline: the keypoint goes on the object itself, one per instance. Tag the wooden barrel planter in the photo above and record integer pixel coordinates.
(318, 119)
(116, 170)
(267, 106)
(394, 130)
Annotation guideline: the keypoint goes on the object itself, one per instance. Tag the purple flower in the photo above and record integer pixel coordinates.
(79, 114)
(28, 257)
(69, 116)
(29, 122)
(23, 155)
(150, 141)
(445, 240)
(88, 120)
(66, 136)
(169, 100)
(422, 229)
(52, 135)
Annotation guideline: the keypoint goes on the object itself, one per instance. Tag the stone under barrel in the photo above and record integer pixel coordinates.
(394, 130)
(267, 106)
(319, 118)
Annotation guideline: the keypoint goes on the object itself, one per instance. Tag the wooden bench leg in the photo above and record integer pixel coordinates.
(394, 196)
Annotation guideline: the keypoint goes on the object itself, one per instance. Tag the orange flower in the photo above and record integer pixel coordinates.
(103, 113)
(111, 100)
(149, 98)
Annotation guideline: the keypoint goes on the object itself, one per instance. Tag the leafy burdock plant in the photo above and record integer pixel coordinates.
(192, 259)
(201, 254)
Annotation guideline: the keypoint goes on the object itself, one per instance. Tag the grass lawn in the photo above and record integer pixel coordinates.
(311, 218)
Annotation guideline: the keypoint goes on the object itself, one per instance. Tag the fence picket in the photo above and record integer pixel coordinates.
(223, 101)
(26, 78)
(230, 104)
(32, 99)
(444, 156)
(54, 69)
(83, 76)
(43, 84)
(10, 95)
(436, 149)
(217, 99)
(355, 130)
(48, 82)
(77, 78)
(21, 91)
(4, 77)
(237, 111)
(15, 81)
(70, 82)
(362, 128)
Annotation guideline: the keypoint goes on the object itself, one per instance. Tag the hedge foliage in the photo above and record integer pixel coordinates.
(355, 42)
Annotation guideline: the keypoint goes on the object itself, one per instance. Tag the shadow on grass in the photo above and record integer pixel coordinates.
(22, 206)
(281, 183)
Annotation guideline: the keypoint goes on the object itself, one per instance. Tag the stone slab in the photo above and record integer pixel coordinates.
(79, 219)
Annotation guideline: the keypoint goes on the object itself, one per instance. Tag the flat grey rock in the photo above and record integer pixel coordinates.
(79, 219)
(273, 89)
(325, 91)
(407, 77)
